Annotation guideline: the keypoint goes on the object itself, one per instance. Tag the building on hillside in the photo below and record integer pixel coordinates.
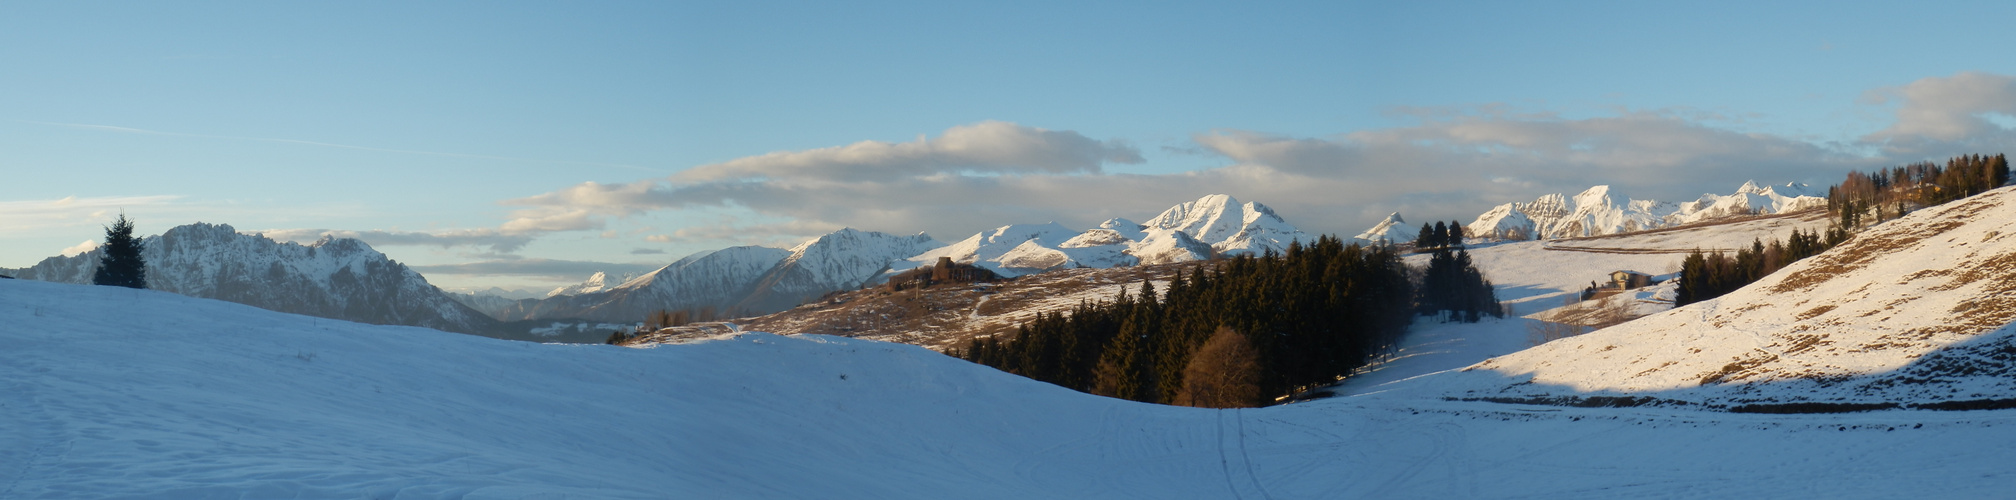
(1626, 280)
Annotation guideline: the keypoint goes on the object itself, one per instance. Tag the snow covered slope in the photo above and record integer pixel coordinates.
(1915, 311)
(986, 249)
(220, 400)
(1598, 211)
(331, 278)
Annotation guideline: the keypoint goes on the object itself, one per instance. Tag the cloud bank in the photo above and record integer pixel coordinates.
(1446, 163)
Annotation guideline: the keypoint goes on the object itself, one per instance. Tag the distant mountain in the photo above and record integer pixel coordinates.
(717, 279)
(1229, 227)
(1194, 230)
(595, 283)
(332, 278)
(747, 279)
(841, 260)
(1392, 230)
(1598, 211)
(759, 280)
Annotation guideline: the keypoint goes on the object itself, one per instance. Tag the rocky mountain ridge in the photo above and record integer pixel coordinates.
(331, 278)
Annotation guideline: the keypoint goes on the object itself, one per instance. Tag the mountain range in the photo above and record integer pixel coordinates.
(755, 280)
(337, 278)
(1599, 211)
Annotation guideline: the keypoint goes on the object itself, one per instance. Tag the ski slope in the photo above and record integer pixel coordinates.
(116, 393)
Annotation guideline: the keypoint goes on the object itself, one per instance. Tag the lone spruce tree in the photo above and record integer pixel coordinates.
(122, 264)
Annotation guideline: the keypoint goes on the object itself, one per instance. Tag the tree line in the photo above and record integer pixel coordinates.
(1295, 321)
(1706, 276)
(1888, 193)
(1439, 236)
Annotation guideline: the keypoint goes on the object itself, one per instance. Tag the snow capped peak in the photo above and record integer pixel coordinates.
(1751, 187)
(1119, 223)
(1598, 196)
(1212, 218)
(986, 248)
(1391, 230)
(1125, 228)
(595, 283)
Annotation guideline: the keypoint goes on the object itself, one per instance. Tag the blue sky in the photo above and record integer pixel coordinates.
(461, 137)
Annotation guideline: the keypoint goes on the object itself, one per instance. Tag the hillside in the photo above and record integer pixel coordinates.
(221, 400)
(1914, 311)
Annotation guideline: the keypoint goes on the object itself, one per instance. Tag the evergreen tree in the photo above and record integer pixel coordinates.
(1120, 367)
(122, 264)
(1455, 234)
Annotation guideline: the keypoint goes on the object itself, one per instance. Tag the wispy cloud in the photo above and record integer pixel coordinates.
(30, 215)
(991, 147)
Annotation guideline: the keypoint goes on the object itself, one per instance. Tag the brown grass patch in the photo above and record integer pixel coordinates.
(1803, 343)
(1858, 252)
(1810, 313)
(1746, 366)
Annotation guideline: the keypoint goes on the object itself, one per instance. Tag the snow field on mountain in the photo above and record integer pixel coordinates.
(209, 399)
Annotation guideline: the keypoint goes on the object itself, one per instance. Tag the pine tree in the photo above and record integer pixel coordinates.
(1119, 371)
(1455, 234)
(122, 264)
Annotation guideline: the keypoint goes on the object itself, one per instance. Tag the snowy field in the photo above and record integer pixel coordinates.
(115, 393)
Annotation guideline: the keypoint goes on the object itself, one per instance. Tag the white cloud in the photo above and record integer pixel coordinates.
(30, 215)
(991, 147)
(1947, 115)
(1449, 163)
(80, 248)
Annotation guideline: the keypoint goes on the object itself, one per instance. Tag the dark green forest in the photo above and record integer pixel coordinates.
(1705, 276)
(1309, 316)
